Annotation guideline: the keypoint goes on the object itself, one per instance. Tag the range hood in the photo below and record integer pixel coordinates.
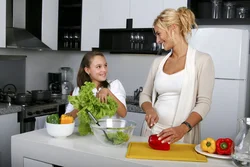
(18, 37)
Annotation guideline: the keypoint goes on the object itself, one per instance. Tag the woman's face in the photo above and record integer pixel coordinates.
(98, 69)
(163, 37)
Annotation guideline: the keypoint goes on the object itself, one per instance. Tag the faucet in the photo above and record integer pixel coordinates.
(137, 93)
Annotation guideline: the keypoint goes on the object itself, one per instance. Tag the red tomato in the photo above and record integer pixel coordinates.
(154, 143)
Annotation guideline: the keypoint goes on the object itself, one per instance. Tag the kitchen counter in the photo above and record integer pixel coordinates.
(6, 109)
(76, 151)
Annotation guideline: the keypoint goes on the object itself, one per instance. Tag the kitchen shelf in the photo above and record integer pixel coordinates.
(234, 21)
(70, 27)
(203, 12)
(72, 6)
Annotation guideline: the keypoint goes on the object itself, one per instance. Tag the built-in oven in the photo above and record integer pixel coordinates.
(30, 113)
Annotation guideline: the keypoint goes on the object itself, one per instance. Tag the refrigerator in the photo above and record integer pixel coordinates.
(229, 49)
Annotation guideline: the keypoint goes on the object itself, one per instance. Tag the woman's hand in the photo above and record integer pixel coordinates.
(172, 134)
(151, 117)
(103, 95)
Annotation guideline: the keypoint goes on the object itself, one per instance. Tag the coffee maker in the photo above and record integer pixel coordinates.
(54, 83)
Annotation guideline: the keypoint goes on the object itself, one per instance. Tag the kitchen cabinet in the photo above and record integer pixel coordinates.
(50, 23)
(174, 4)
(203, 12)
(114, 13)
(2, 23)
(8, 126)
(90, 24)
(143, 12)
(27, 162)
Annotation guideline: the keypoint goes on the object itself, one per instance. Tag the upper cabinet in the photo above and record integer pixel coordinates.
(50, 23)
(174, 4)
(91, 11)
(143, 12)
(2, 23)
(114, 13)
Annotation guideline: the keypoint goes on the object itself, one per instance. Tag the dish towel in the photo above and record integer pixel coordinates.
(186, 97)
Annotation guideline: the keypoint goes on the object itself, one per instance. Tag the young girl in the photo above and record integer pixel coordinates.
(94, 68)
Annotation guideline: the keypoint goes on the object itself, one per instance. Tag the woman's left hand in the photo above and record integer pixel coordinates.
(171, 135)
(103, 95)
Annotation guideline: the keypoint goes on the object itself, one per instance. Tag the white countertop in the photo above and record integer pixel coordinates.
(76, 150)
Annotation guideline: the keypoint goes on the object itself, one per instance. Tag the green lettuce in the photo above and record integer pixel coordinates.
(87, 101)
(119, 137)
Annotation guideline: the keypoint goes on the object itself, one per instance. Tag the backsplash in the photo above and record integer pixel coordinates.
(130, 69)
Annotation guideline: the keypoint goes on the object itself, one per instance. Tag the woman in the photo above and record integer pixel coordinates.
(94, 68)
(178, 91)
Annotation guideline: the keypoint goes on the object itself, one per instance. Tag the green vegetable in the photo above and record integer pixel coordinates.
(53, 119)
(87, 101)
(119, 137)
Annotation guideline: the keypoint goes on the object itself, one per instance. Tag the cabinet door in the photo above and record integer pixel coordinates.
(114, 13)
(8, 127)
(2, 23)
(174, 4)
(33, 163)
(143, 12)
(50, 23)
(91, 11)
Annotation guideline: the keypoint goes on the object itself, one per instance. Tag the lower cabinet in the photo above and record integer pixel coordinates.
(8, 127)
(138, 118)
(34, 163)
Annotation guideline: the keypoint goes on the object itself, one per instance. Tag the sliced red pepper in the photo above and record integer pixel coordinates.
(154, 143)
(224, 146)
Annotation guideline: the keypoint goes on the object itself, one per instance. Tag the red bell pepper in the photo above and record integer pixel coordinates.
(154, 143)
(224, 146)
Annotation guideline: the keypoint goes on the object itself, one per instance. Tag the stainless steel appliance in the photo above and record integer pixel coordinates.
(27, 116)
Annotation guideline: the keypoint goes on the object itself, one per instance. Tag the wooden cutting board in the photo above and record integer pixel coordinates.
(177, 152)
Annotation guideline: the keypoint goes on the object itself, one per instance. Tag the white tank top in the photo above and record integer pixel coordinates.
(168, 88)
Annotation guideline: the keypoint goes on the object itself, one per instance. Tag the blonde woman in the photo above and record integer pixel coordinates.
(178, 91)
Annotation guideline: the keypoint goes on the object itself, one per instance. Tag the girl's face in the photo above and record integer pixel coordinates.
(98, 69)
(163, 37)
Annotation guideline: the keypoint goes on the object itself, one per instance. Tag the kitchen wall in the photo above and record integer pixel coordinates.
(130, 69)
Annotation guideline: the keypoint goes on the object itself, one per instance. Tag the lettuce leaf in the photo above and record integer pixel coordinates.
(87, 101)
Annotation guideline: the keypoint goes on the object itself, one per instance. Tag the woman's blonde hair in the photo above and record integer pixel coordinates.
(183, 17)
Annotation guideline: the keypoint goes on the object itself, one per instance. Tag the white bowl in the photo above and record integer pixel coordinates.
(112, 127)
(60, 130)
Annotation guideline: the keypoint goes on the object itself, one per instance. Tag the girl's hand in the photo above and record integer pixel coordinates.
(172, 134)
(151, 117)
(103, 95)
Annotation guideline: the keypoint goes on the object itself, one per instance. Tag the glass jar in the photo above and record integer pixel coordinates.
(241, 153)
(216, 9)
(242, 12)
(229, 10)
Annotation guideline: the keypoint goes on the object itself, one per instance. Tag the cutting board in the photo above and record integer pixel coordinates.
(177, 152)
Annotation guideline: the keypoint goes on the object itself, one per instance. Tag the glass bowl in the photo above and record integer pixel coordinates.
(113, 132)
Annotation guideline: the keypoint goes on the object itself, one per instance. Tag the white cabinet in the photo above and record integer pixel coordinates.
(138, 118)
(114, 13)
(8, 127)
(174, 4)
(27, 162)
(50, 23)
(2, 23)
(143, 12)
(90, 24)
